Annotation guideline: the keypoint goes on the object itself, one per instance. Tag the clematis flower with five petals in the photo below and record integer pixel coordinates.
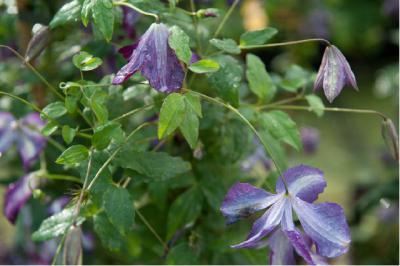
(334, 73)
(324, 224)
(25, 133)
(155, 60)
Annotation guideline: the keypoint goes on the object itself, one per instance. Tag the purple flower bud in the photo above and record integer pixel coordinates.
(17, 194)
(389, 134)
(334, 73)
(155, 60)
(195, 57)
(38, 43)
(73, 246)
(310, 139)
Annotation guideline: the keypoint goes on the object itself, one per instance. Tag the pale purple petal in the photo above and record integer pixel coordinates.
(281, 250)
(29, 140)
(303, 181)
(300, 244)
(349, 75)
(7, 131)
(17, 194)
(320, 75)
(265, 224)
(325, 224)
(243, 200)
(156, 61)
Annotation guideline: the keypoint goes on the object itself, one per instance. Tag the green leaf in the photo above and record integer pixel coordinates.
(282, 127)
(118, 205)
(190, 126)
(157, 165)
(103, 17)
(179, 41)
(73, 155)
(213, 190)
(68, 134)
(257, 37)
(108, 234)
(274, 149)
(103, 135)
(316, 104)
(56, 225)
(85, 61)
(49, 128)
(184, 211)
(98, 106)
(295, 78)
(226, 45)
(204, 66)
(181, 254)
(259, 80)
(53, 110)
(171, 114)
(194, 102)
(67, 13)
(228, 79)
(86, 10)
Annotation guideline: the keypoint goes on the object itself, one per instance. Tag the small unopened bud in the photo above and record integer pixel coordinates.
(198, 152)
(73, 246)
(38, 42)
(389, 134)
(207, 13)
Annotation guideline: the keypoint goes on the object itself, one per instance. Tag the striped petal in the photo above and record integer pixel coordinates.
(281, 250)
(303, 181)
(325, 224)
(243, 200)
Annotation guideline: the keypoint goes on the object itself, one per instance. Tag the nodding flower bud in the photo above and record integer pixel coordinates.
(390, 136)
(207, 13)
(73, 246)
(39, 41)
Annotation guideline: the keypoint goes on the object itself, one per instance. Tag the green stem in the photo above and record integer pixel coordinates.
(122, 3)
(244, 47)
(196, 26)
(329, 109)
(60, 177)
(152, 230)
(112, 156)
(134, 111)
(59, 95)
(226, 17)
(58, 249)
(247, 122)
(289, 100)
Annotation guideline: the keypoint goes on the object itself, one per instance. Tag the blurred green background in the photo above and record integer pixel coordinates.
(360, 173)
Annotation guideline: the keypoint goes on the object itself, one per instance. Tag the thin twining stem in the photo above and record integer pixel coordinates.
(40, 76)
(152, 230)
(247, 122)
(226, 17)
(112, 156)
(329, 109)
(37, 109)
(284, 101)
(134, 111)
(247, 47)
(123, 3)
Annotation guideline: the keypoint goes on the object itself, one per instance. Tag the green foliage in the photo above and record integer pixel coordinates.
(68, 134)
(257, 37)
(86, 62)
(108, 234)
(67, 13)
(259, 80)
(181, 254)
(179, 41)
(105, 133)
(316, 104)
(204, 66)
(53, 110)
(226, 45)
(73, 155)
(171, 114)
(102, 15)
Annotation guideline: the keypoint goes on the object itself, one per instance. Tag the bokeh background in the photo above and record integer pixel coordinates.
(361, 174)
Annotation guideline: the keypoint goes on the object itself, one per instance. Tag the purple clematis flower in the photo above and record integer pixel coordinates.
(324, 224)
(334, 73)
(17, 194)
(310, 139)
(153, 57)
(25, 133)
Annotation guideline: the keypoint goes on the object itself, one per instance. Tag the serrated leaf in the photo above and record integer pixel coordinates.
(85, 61)
(67, 13)
(103, 17)
(184, 211)
(179, 41)
(194, 102)
(118, 205)
(171, 114)
(103, 135)
(157, 165)
(226, 45)
(54, 110)
(68, 134)
(282, 127)
(257, 37)
(73, 155)
(108, 234)
(56, 225)
(259, 80)
(190, 126)
(204, 66)
(316, 104)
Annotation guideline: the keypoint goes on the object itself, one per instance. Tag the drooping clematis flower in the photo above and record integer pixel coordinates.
(324, 224)
(17, 194)
(25, 133)
(334, 73)
(156, 61)
(310, 139)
